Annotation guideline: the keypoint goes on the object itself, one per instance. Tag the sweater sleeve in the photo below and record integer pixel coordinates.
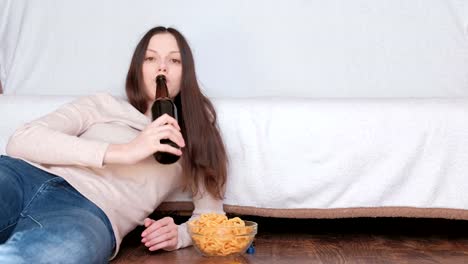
(54, 138)
(204, 203)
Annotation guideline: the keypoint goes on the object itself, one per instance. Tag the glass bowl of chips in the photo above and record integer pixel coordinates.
(216, 235)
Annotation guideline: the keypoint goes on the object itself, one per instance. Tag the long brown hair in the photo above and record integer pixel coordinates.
(205, 159)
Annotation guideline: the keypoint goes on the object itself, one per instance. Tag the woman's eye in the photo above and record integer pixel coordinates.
(175, 60)
(149, 59)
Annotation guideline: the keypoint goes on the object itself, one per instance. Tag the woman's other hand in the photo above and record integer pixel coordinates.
(160, 234)
(148, 142)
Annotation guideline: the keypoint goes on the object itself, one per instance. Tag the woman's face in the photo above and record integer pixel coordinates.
(162, 57)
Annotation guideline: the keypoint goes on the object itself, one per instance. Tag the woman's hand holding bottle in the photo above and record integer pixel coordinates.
(147, 142)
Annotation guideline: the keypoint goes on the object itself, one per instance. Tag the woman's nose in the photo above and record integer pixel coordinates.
(162, 67)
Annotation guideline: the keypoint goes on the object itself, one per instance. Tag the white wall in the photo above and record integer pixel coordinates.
(333, 48)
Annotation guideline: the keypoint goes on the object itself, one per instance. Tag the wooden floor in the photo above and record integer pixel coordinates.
(363, 240)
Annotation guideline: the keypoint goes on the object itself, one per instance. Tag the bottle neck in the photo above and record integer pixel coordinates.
(161, 87)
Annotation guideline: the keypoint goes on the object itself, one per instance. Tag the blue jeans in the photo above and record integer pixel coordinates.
(45, 220)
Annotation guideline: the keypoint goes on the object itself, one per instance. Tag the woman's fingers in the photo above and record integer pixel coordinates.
(155, 225)
(168, 245)
(160, 234)
(165, 119)
(169, 132)
(149, 140)
(170, 149)
(148, 221)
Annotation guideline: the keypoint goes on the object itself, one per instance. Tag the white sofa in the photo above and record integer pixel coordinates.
(327, 157)
(328, 109)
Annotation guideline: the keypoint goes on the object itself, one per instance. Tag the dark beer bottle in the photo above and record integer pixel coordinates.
(163, 104)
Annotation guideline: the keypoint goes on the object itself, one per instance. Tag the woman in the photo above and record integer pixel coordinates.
(77, 180)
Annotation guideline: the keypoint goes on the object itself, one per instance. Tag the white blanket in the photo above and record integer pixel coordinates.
(326, 153)
(345, 153)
